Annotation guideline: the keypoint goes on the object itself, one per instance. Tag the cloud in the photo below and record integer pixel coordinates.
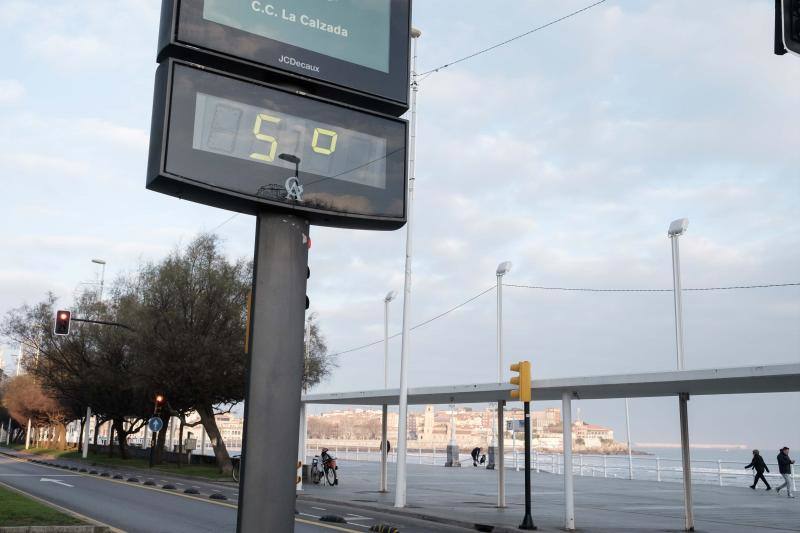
(11, 92)
(71, 51)
(107, 131)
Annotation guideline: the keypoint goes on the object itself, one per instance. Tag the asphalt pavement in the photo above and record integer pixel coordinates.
(122, 500)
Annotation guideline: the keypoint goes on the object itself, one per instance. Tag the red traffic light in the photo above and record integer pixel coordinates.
(62, 322)
(159, 399)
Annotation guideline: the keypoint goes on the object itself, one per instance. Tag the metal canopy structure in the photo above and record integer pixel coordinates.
(681, 383)
(737, 380)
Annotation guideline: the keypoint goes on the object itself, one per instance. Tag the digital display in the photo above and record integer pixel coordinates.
(256, 134)
(247, 146)
(356, 31)
(350, 51)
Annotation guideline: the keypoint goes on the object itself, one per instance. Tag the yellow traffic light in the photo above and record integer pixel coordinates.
(522, 381)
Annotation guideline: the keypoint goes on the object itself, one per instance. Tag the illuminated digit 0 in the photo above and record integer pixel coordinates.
(327, 151)
(263, 137)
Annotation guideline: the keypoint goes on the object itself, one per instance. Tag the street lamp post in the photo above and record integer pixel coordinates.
(102, 263)
(502, 269)
(402, 437)
(385, 409)
(87, 426)
(676, 229)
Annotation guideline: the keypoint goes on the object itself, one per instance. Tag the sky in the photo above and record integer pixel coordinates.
(567, 152)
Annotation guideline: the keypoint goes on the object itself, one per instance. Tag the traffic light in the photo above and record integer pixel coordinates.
(62, 322)
(159, 403)
(522, 381)
(787, 26)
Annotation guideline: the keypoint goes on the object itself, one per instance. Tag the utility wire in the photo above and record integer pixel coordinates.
(512, 39)
(424, 323)
(575, 289)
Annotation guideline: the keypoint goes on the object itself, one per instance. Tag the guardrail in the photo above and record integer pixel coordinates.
(639, 467)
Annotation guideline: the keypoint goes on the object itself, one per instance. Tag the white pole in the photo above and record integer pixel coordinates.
(678, 299)
(569, 498)
(385, 408)
(28, 435)
(102, 280)
(8, 432)
(682, 398)
(628, 429)
(501, 459)
(499, 328)
(86, 427)
(400, 493)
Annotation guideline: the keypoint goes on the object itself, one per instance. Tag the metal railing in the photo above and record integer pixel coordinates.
(639, 467)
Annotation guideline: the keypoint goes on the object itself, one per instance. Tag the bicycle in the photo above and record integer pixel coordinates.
(328, 470)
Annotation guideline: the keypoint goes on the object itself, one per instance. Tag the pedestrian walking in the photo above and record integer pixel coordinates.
(759, 466)
(785, 467)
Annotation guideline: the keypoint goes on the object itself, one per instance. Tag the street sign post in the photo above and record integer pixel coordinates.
(155, 424)
(284, 110)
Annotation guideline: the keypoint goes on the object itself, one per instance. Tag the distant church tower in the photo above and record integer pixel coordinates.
(427, 426)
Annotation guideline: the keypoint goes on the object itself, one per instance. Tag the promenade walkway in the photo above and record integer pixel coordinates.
(468, 496)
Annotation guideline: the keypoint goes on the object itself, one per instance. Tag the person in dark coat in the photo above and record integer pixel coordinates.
(759, 466)
(785, 468)
(476, 451)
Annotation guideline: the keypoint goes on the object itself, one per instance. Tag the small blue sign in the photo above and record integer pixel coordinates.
(155, 424)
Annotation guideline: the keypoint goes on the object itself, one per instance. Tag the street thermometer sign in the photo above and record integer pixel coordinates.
(230, 142)
(287, 110)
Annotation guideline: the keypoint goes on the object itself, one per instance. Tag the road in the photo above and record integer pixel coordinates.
(134, 507)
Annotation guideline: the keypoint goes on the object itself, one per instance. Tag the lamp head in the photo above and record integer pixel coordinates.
(98, 261)
(390, 296)
(415, 33)
(503, 268)
(678, 227)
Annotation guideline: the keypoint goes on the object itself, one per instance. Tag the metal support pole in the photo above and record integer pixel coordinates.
(501, 452)
(384, 451)
(628, 429)
(527, 520)
(402, 431)
(677, 292)
(8, 432)
(85, 453)
(687, 462)
(301, 444)
(569, 497)
(275, 373)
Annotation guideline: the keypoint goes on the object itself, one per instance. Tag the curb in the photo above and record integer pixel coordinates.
(414, 514)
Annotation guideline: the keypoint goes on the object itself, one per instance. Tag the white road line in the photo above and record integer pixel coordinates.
(318, 508)
(39, 475)
(311, 515)
(356, 517)
(48, 480)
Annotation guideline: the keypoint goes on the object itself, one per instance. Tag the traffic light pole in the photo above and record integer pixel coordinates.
(527, 522)
(275, 373)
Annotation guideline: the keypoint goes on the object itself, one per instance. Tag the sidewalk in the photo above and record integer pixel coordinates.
(467, 496)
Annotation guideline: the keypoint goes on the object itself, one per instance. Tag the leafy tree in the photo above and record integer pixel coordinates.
(24, 399)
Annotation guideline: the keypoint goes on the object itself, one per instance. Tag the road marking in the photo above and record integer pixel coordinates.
(352, 516)
(64, 509)
(47, 479)
(318, 508)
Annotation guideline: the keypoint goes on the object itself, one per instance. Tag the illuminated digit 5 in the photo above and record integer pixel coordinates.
(327, 151)
(263, 137)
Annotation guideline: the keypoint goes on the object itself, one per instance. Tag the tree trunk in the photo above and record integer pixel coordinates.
(122, 437)
(111, 440)
(96, 429)
(180, 442)
(61, 436)
(161, 440)
(80, 436)
(224, 464)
